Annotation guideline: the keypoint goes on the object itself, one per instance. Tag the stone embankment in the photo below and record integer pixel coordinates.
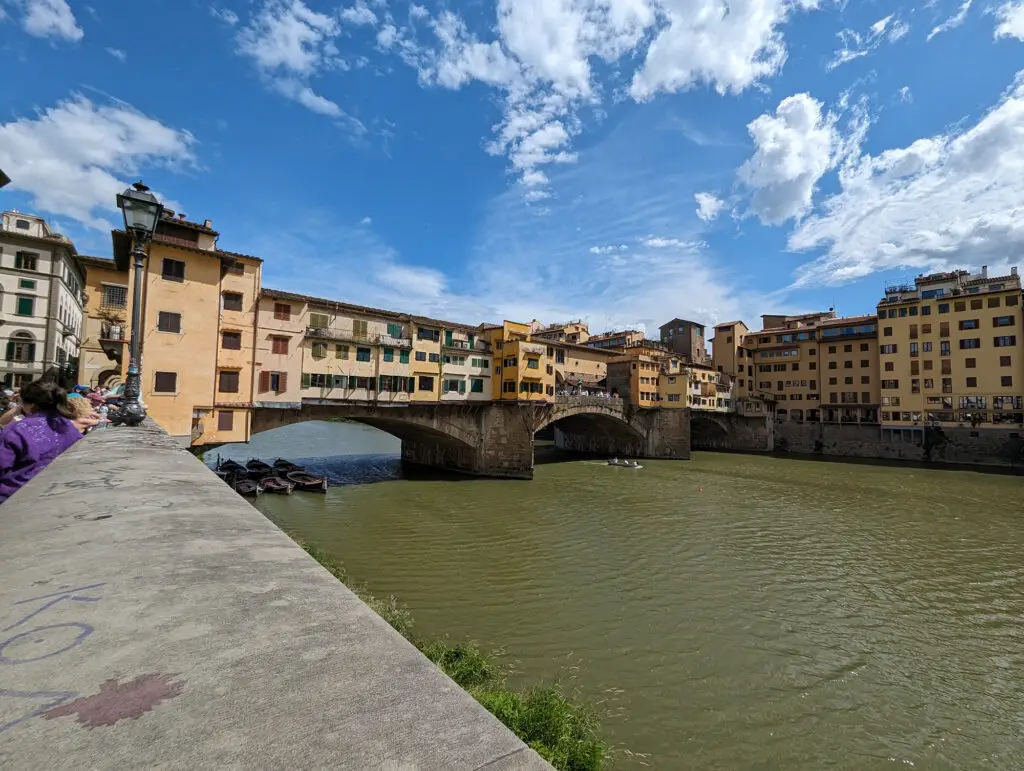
(151, 617)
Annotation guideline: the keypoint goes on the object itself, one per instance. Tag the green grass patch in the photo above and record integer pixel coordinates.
(554, 723)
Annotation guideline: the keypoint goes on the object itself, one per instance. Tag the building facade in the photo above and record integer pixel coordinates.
(685, 338)
(949, 348)
(41, 302)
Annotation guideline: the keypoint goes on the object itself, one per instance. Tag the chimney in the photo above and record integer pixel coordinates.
(1013, 271)
(207, 223)
(984, 271)
(181, 216)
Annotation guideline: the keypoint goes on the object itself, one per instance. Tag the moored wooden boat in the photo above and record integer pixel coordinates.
(227, 476)
(248, 488)
(259, 469)
(285, 466)
(276, 485)
(231, 467)
(307, 482)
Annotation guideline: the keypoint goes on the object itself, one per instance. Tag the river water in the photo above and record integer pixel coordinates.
(729, 612)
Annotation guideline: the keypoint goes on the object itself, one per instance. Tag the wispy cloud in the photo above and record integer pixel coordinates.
(953, 21)
(1010, 20)
(855, 45)
(117, 53)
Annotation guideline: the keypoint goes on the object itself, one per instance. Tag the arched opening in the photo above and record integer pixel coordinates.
(108, 378)
(708, 434)
(21, 347)
(590, 433)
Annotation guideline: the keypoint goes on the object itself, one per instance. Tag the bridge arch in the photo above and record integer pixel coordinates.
(594, 425)
(708, 432)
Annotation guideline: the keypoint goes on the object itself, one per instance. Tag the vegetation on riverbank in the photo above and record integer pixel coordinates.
(563, 731)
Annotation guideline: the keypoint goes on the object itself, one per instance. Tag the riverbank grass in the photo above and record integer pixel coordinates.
(562, 730)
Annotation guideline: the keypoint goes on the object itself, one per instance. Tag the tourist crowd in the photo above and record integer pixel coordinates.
(39, 422)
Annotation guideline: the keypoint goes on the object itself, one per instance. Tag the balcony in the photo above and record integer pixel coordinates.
(20, 366)
(464, 345)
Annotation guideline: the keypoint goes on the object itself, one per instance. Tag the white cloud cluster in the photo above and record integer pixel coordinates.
(1010, 20)
(792, 150)
(856, 44)
(49, 18)
(117, 53)
(544, 53)
(72, 159)
(953, 21)
(709, 206)
(953, 199)
(290, 44)
(609, 249)
(226, 15)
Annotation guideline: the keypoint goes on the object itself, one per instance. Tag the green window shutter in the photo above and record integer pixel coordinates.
(403, 357)
(472, 341)
(25, 306)
(412, 384)
(10, 351)
(462, 386)
(31, 351)
(305, 380)
(447, 337)
(394, 330)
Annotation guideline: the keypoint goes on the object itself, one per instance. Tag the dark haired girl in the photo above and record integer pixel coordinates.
(28, 445)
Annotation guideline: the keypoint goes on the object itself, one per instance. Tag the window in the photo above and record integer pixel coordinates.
(315, 380)
(833, 365)
(21, 349)
(395, 330)
(976, 304)
(362, 354)
(1004, 321)
(943, 307)
(865, 347)
(1012, 299)
(960, 306)
(26, 260)
(476, 386)
(421, 355)
(426, 383)
(944, 348)
(173, 270)
(30, 283)
(928, 364)
(888, 349)
(225, 420)
(279, 345)
(848, 380)
(947, 385)
(524, 388)
(319, 350)
(273, 381)
(236, 268)
(970, 342)
(341, 352)
(389, 354)
(508, 387)
(403, 357)
(1005, 341)
(831, 349)
(319, 320)
(533, 363)
(865, 379)
(926, 310)
(114, 296)
(231, 340)
(993, 302)
(427, 334)
(227, 382)
(926, 347)
(232, 301)
(282, 311)
(847, 364)
(1006, 381)
(971, 363)
(890, 384)
(434, 357)
(812, 365)
(168, 322)
(26, 306)
(969, 324)
(1004, 361)
(929, 383)
(847, 348)
(165, 382)
(972, 382)
(21, 224)
(890, 366)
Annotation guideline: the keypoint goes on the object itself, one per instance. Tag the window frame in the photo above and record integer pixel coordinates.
(171, 275)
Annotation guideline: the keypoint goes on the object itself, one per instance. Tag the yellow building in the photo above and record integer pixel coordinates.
(634, 376)
(579, 366)
(106, 327)
(575, 332)
(522, 369)
(615, 340)
(950, 352)
(731, 358)
(848, 358)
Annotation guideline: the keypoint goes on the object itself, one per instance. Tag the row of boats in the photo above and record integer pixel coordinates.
(257, 476)
(624, 463)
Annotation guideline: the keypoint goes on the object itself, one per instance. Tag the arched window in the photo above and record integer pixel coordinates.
(21, 347)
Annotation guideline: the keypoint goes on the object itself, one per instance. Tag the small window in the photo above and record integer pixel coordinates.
(395, 331)
(26, 283)
(341, 352)
(114, 296)
(426, 383)
(236, 268)
(319, 320)
(1004, 361)
(403, 357)
(168, 322)
(232, 341)
(476, 386)
(279, 345)
(165, 382)
(319, 350)
(972, 382)
(26, 306)
(1006, 380)
(22, 224)
(232, 301)
(362, 354)
(225, 420)
(26, 261)
(227, 382)
(282, 311)
(389, 354)
(173, 270)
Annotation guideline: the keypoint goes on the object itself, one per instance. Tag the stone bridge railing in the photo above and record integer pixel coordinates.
(150, 617)
(596, 401)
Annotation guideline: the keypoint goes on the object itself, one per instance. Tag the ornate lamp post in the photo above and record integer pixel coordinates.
(142, 212)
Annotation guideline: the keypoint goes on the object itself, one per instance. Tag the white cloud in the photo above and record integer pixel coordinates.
(905, 94)
(51, 18)
(953, 21)
(1010, 18)
(366, 221)
(609, 249)
(672, 243)
(117, 53)
(952, 199)
(73, 158)
(289, 43)
(226, 15)
(358, 15)
(543, 57)
(855, 44)
(792, 150)
(709, 205)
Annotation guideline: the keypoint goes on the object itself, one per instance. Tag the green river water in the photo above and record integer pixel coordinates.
(729, 612)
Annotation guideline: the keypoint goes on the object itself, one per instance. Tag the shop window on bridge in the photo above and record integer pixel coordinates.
(389, 355)
(341, 352)
(403, 357)
(362, 354)
(454, 386)
(476, 386)
(508, 387)
(395, 331)
(533, 364)
(315, 380)
(319, 350)
(225, 420)
(426, 383)
(339, 381)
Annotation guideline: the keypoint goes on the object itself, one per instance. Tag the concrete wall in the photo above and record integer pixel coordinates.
(153, 618)
(990, 447)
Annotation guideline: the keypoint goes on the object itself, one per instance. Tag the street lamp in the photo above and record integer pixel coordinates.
(142, 212)
(4, 179)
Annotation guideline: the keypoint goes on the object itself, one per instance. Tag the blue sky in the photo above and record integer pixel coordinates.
(623, 161)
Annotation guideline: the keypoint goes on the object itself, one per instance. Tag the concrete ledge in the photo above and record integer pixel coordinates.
(151, 617)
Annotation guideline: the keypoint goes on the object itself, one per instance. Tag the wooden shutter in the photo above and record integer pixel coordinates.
(264, 382)
(282, 382)
(305, 380)
(10, 350)
(31, 351)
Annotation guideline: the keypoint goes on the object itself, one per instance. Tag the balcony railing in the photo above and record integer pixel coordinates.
(351, 336)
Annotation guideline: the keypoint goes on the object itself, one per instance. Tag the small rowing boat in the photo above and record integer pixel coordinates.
(624, 463)
(248, 488)
(276, 485)
(284, 466)
(307, 482)
(259, 469)
(231, 467)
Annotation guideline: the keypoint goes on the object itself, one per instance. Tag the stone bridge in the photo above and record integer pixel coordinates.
(495, 439)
